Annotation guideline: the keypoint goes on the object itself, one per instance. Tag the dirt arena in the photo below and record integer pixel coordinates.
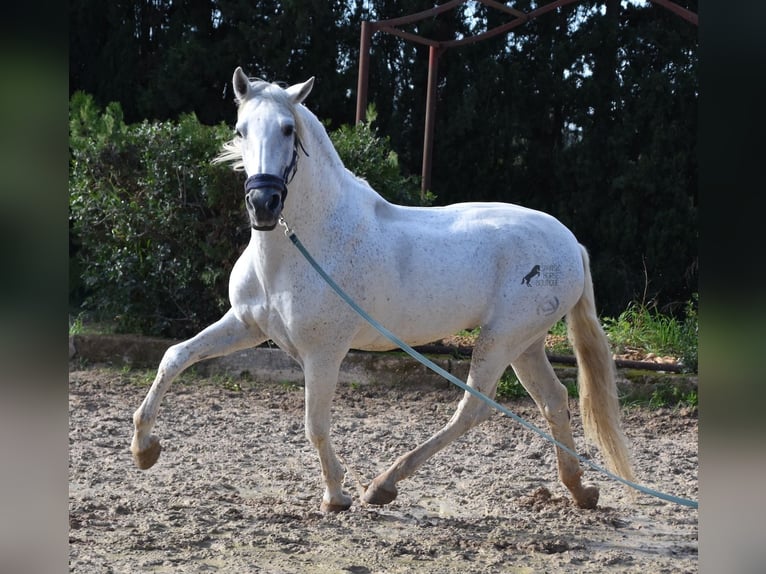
(237, 487)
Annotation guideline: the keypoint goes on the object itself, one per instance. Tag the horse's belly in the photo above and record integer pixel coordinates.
(421, 315)
(413, 330)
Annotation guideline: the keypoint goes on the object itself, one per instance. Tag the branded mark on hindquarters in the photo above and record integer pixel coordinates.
(529, 276)
(548, 306)
(542, 276)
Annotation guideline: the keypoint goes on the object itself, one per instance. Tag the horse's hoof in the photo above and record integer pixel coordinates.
(588, 497)
(332, 507)
(342, 502)
(147, 457)
(378, 494)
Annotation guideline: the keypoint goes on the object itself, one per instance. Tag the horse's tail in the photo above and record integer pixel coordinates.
(599, 404)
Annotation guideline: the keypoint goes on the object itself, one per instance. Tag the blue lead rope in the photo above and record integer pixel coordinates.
(454, 380)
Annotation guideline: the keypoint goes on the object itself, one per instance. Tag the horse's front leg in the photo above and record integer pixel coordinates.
(225, 336)
(321, 379)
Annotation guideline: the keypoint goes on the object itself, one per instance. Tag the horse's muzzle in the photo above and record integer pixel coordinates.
(264, 207)
(264, 198)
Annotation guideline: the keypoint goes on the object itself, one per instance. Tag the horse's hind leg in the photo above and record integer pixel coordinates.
(539, 379)
(225, 336)
(489, 362)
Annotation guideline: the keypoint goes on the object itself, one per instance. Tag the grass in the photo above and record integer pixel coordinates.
(83, 324)
(509, 387)
(641, 328)
(663, 396)
(671, 396)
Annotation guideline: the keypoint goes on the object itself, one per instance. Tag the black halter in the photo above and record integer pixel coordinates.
(261, 180)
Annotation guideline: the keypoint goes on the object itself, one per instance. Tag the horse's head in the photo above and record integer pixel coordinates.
(268, 139)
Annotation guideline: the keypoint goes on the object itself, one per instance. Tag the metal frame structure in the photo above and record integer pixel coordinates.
(436, 49)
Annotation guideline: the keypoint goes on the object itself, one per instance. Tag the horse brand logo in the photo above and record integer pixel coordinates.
(542, 276)
(535, 271)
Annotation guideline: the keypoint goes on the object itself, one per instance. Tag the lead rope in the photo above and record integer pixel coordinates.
(454, 380)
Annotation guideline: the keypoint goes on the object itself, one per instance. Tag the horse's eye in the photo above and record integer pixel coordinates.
(288, 129)
(238, 132)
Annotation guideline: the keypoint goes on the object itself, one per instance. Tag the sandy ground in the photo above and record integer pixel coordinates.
(237, 488)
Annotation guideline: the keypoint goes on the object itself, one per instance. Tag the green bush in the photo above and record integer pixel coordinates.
(155, 226)
(370, 156)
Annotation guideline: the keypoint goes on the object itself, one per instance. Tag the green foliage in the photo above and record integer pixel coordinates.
(690, 336)
(572, 389)
(76, 325)
(164, 58)
(470, 333)
(667, 395)
(154, 222)
(643, 326)
(558, 341)
(231, 385)
(290, 385)
(369, 156)
(589, 114)
(639, 327)
(509, 387)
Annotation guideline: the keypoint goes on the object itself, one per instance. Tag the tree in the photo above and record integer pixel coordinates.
(163, 58)
(588, 112)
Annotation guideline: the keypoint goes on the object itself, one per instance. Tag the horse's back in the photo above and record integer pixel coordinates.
(463, 221)
(477, 237)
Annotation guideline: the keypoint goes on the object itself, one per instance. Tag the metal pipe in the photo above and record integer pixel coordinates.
(687, 15)
(428, 140)
(364, 72)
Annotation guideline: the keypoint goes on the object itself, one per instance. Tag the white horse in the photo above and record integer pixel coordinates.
(424, 272)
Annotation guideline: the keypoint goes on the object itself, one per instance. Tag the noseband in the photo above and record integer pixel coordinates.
(260, 180)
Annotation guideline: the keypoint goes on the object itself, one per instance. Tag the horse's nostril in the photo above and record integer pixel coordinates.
(273, 203)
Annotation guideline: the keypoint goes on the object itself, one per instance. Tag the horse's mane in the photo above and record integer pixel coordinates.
(231, 151)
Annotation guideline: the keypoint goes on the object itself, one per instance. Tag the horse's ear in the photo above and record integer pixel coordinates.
(299, 92)
(241, 84)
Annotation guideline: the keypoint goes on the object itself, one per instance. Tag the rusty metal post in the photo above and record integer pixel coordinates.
(436, 48)
(364, 72)
(428, 140)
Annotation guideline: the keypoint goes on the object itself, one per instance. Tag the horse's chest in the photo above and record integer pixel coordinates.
(284, 309)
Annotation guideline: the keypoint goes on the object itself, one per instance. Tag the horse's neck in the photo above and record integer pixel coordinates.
(320, 186)
(316, 137)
